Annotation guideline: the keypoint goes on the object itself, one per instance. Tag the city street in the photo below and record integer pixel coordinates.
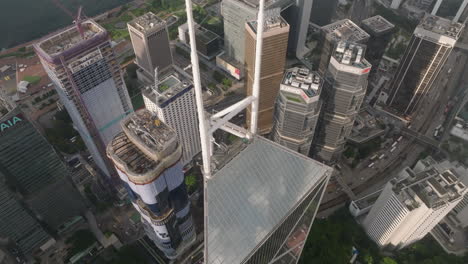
(364, 180)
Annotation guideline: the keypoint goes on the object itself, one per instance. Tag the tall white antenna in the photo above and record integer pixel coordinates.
(156, 78)
(460, 11)
(436, 7)
(258, 65)
(221, 119)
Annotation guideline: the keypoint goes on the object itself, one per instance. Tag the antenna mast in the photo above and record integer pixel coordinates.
(221, 119)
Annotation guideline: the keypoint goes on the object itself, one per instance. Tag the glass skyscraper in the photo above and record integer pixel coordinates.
(31, 168)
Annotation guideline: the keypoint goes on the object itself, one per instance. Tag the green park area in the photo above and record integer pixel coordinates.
(331, 241)
(32, 79)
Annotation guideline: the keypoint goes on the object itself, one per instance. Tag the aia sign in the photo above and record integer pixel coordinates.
(10, 123)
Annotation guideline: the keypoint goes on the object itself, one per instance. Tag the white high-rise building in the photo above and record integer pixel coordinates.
(173, 100)
(412, 204)
(81, 63)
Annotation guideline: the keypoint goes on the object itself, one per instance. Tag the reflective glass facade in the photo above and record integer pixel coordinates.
(258, 200)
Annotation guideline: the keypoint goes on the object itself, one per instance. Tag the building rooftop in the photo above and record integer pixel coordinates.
(349, 53)
(345, 30)
(268, 3)
(303, 79)
(252, 194)
(172, 83)
(430, 186)
(147, 23)
(70, 38)
(440, 26)
(271, 23)
(378, 24)
(368, 200)
(205, 35)
(146, 130)
(145, 147)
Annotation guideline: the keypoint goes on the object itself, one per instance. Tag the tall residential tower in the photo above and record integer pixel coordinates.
(426, 54)
(82, 65)
(147, 158)
(297, 109)
(343, 92)
(275, 43)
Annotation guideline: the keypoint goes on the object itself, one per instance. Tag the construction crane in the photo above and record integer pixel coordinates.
(78, 19)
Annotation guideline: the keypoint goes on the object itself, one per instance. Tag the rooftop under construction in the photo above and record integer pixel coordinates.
(70, 38)
(145, 146)
(345, 30)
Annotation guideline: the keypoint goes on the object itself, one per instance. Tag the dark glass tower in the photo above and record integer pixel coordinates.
(429, 48)
(31, 168)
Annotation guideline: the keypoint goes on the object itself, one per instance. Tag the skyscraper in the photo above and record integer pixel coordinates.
(35, 172)
(342, 30)
(267, 216)
(297, 109)
(380, 31)
(150, 40)
(412, 204)
(147, 158)
(275, 42)
(343, 92)
(172, 98)
(429, 48)
(276, 196)
(82, 65)
(18, 226)
(238, 12)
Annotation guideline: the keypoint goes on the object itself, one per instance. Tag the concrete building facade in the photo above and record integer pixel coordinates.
(343, 93)
(426, 54)
(412, 204)
(150, 40)
(297, 109)
(147, 158)
(275, 43)
(172, 98)
(89, 82)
